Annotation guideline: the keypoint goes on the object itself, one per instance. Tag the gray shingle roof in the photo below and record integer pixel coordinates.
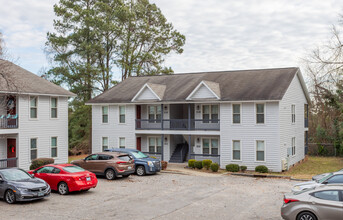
(242, 85)
(19, 80)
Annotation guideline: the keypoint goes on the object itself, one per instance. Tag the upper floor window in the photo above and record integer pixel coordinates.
(33, 148)
(104, 143)
(122, 111)
(122, 142)
(210, 113)
(293, 146)
(33, 106)
(53, 105)
(53, 146)
(293, 113)
(260, 113)
(236, 113)
(104, 114)
(155, 113)
(210, 146)
(260, 151)
(155, 145)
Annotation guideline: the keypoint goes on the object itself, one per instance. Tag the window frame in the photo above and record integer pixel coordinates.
(102, 114)
(265, 150)
(210, 113)
(51, 147)
(293, 146)
(210, 145)
(51, 108)
(240, 150)
(240, 113)
(119, 113)
(264, 113)
(102, 143)
(340, 195)
(155, 120)
(156, 145)
(293, 111)
(36, 107)
(120, 146)
(31, 149)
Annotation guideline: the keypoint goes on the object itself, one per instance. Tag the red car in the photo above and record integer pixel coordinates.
(66, 178)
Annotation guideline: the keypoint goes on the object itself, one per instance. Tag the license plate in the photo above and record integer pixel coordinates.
(40, 194)
(129, 168)
(88, 178)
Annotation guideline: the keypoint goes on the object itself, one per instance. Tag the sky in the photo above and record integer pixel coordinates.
(220, 35)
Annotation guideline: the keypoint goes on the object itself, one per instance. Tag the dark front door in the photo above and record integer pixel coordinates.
(138, 116)
(139, 142)
(11, 152)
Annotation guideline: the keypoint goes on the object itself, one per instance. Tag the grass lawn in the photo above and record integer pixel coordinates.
(71, 158)
(314, 166)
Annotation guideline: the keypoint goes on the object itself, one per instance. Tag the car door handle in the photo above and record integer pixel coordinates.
(313, 203)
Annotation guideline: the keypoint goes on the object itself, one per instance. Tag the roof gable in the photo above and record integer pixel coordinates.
(150, 91)
(205, 90)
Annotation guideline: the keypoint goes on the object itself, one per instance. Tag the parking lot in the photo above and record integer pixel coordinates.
(162, 196)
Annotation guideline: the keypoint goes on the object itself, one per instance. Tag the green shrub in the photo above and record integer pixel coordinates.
(244, 168)
(40, 162)
(198, 164)
(261, 169)
(232, 167)
(214, 167)
(191, 163)
(206, 164)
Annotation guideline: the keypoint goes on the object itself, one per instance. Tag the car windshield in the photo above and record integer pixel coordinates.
(138, 155)
(15, 175)
(73, 169)
(324, 178)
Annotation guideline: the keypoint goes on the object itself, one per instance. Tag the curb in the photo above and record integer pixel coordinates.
(261, 175)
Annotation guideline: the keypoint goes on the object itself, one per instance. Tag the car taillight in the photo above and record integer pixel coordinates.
(77, 178)
(286, 201)
(120, 162)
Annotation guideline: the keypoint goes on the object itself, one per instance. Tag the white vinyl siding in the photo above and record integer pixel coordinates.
(54, 107)
(33, 149)
(122, 142)
(54, 148)
(104, 143)
(122, 114)
(104, 114)
(33, 107)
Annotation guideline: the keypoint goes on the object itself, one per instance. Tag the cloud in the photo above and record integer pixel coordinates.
(220, 35)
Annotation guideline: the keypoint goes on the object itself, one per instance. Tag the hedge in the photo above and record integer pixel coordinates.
(232, 167)
(206, 164)
(198, 164)
(41, 162)
(243, 168)
(261, 169)
(214, 167)
(191, 163)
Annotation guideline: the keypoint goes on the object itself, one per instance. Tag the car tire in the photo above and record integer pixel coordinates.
(10, 197)
(63, 188)
(110, 174)
(306, 216)
(140, 170)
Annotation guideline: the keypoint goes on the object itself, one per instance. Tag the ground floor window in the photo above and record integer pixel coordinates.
(155, 144)
(33, 148)
(236, 150)
(53, 146)
(121, 142)
(210, 146)
(104, 143)
(260, 151)
(293, 146)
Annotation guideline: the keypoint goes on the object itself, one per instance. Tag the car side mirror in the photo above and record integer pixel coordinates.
(325, 182)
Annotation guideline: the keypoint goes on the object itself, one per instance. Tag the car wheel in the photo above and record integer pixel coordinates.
(140, 171)
(110, 174)
(306, 216)
(63, 188)
(10, 197)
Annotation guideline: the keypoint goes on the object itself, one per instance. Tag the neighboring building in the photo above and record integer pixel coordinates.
(248, 117)
(33, 118)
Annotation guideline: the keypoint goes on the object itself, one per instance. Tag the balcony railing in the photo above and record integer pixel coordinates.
(178, 124)
(10, 162)
(8, 122)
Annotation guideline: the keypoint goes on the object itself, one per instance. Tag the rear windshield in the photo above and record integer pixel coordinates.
(139, 155)
(73, 169)
(125, 158)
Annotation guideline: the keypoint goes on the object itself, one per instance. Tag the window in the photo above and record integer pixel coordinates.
(104, 114)
(104, 157)
(53, 146)
(236, 113)
(332, 195)
(121, 142)
(122, 114)
(293, 146)
(293, 113)
(236, 150)
(210, 113)
(104, 143)
(260, 150)
(335, 179)
(210, 146)
(33, 148)
(53, 105)
(259, 113)
(33, 107)
(154, 113)
(155, 145)
(45, 170)
(92, 157)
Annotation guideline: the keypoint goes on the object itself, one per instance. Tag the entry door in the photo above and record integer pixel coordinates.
(138, 116)
(139, 143)
(11, 152)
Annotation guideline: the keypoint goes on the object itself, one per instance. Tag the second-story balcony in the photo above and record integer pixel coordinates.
(178, 124)
(8, 121)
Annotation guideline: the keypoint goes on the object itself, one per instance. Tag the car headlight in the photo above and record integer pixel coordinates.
(22, 189)
(296, 187)
(151, 164)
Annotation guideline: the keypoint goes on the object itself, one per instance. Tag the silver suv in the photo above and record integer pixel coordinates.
(320, 202)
